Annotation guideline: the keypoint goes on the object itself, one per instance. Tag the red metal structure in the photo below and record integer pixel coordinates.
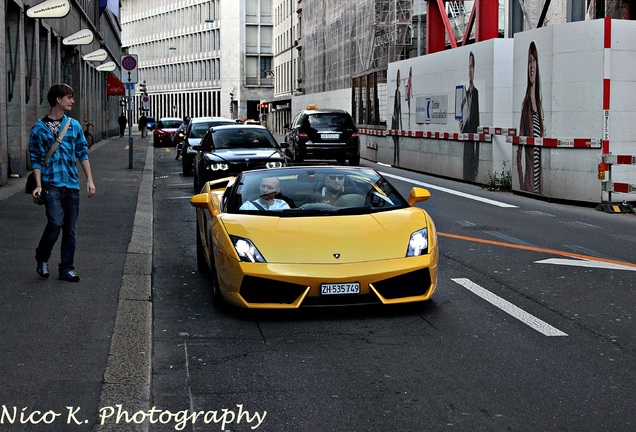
(485, 13)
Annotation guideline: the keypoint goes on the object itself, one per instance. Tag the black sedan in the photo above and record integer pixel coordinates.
(229, 150)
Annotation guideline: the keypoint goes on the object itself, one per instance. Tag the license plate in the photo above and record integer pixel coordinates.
(330, 136)
(340, 288)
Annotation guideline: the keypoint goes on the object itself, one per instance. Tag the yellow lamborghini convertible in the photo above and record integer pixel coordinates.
(285, 238)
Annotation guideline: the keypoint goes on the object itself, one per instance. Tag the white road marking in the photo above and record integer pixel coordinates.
(450, 191)
(512, 310)
(585, 263)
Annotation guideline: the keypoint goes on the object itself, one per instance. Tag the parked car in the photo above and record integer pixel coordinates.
(152, 123)
(372, 246)
(323, 134)
(229, 150)
(196, 129)
(162, 135)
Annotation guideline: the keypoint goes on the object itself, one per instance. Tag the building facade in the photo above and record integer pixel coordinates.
(37, 53)
(202, 57)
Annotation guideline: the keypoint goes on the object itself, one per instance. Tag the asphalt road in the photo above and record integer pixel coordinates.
(531, 329)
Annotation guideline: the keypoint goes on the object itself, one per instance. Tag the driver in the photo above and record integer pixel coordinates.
(269, 188)
(334, 188)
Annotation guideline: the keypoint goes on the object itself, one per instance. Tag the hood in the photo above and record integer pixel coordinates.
(245, 155)
(315, 240)
(166, 130)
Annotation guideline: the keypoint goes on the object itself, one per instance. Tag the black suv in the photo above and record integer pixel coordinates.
(323, 134)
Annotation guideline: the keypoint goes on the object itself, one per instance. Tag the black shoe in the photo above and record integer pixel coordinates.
(68, 275)
(43, 269)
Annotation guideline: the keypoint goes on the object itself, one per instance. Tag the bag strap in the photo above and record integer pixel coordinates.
(57, 141)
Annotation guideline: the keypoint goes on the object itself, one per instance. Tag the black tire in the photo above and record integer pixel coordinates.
(195, 184)
(217, 299)
(202, 261)
(186, 163)
(354, 161)
(203, 266)
(90, 140)
(298, 157)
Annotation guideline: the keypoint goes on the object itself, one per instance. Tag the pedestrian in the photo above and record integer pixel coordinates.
(123, 121)
(57, 182)
(143, 123)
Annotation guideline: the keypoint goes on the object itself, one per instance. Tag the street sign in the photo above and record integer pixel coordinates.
(129, 70)
(145, 103)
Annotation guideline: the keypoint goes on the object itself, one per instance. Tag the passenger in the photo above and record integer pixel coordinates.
(334, 188)
(269, 188)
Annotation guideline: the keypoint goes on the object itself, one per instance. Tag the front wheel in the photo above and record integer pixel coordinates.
(298, 157)
(186, 163)
(90, 140)
(202, 261)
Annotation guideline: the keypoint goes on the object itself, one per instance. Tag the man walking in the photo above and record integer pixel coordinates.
(143, 124)
(122, 120)
(57, 181)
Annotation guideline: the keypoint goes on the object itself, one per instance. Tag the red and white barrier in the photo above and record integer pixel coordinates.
(611, 159)
(587, 143)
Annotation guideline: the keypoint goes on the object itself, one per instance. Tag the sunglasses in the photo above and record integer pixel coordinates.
(335, 177)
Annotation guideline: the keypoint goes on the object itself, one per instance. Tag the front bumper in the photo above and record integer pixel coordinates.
(290, 286)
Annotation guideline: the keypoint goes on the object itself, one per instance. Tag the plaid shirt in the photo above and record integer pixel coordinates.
(61, 168)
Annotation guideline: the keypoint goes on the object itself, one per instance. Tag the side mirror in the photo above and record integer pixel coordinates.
(417, 195)
(284, 144)
(196, 147)
(201, 200)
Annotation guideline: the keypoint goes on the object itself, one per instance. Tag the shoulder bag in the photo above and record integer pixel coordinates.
(31, 183)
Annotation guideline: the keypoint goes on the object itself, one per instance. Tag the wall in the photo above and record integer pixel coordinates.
(337, 99)
(33, 49)
(429, 107)
(582, 82)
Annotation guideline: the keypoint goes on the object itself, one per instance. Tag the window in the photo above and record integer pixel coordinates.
(266, 66)
(251, 7)
(251, 38)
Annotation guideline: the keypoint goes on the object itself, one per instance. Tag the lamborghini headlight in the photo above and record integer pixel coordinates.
(274, 164)
(418, 244)
(246, 250)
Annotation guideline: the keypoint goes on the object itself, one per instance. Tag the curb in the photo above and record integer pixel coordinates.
(128, 374)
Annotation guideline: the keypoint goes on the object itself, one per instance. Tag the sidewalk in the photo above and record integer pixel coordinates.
(73, 348)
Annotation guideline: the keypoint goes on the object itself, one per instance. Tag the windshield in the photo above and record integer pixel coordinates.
(200, 128)
(328, 121)
(245, 138)
(313, 191)
(170, 124)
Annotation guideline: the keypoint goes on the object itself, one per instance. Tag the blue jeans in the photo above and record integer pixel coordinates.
(62, 208)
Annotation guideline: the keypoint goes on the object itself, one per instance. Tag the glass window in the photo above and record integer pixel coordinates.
(266, 37)
(251, 36)
(251, 7)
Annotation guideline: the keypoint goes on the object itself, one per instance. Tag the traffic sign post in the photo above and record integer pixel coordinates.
(130, 76)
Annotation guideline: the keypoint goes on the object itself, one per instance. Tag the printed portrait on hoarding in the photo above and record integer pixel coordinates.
(531, 125)
(409, 93)
(396, 120)
(469, 123)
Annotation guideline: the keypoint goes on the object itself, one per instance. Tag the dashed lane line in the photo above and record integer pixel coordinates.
(512, 310)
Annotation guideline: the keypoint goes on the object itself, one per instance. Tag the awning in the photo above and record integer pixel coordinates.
(114, 86)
